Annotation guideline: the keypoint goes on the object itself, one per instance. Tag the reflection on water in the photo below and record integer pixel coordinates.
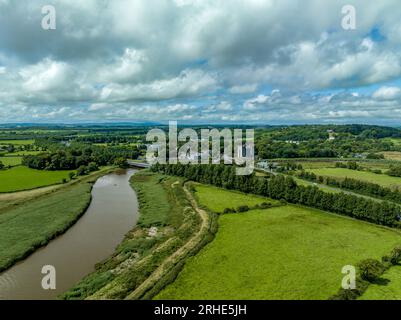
(111, 214)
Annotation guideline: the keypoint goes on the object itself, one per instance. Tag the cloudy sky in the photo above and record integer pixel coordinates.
(264, 61)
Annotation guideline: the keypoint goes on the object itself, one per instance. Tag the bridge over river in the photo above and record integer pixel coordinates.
(137, 164)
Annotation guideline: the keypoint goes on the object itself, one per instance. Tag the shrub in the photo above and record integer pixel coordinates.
(351, 294)
(243, 209)
(386, 259)
(229, 210)
(371, 269)
(265, 205)
(375, 156)
(92, 166)
(82, 170)
(395, 255)
(121, 163)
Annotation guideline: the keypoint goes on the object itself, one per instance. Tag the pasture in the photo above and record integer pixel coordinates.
(392, 155)
(286, 252)
(218, 199)
(11, 161)
(16, 142)
(23, 178)
(23, 153)
(341, 173)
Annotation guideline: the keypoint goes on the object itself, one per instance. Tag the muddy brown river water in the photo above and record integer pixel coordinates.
(112, 213)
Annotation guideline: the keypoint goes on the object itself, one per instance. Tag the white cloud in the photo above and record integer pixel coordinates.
(387, 93)
(99, 106)
(240, 89)
(253, 104)
(44, 76)
(188, 83)
(138, 58)
(128, 67)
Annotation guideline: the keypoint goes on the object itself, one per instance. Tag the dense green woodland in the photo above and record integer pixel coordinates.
(313, 141)
(316, 132)
(78, 155)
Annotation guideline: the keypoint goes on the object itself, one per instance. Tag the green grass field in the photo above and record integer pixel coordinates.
(381, 179)
(392, 155)
(323, 187)
(317, 164)
(390, 291)
(371, 164)
(17, 142)
(33, 224)
(286, 252)
(11, 161)
(218, 199)
(23, 153)
(23, 178)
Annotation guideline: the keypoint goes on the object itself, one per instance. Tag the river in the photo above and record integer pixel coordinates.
(112, 213)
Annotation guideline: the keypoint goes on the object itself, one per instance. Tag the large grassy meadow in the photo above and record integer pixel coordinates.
(11, 161)
(218, 199)
(285, 252)
(341, 173)
(392, 155)
(16, 142)
(23, 153)
(23, 178)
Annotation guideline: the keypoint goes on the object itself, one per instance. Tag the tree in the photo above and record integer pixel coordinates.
(92, 166)
(82, 170)
(371, 269)
(395, 171)
(1, 165)
(375, 156)
(121, 162)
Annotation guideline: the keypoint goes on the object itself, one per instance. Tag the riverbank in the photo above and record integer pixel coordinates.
(170, 228)
(112, 212)
(28, 224)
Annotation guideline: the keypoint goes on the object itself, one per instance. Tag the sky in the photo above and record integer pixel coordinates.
(201, 61)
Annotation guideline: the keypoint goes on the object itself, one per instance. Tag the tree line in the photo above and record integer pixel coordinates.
(76, 157)
(285, 188)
